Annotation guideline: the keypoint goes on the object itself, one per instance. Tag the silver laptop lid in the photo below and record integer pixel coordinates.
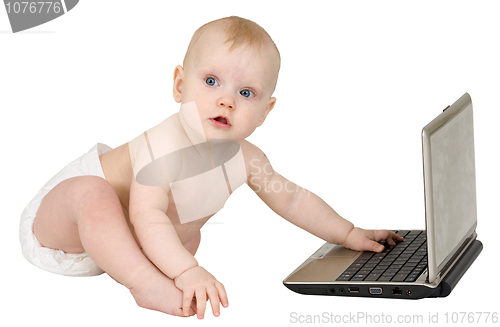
(450, 183)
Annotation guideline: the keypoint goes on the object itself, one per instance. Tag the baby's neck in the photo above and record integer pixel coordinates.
(191, 123)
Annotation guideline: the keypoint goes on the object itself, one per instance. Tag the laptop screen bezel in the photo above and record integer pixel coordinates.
(434, 268)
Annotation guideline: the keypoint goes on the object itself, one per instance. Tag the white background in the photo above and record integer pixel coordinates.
(359, 80)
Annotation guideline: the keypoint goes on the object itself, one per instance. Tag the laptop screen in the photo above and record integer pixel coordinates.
(452, 183)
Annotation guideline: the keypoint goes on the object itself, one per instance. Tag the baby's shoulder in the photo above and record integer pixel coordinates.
(254, 157)
(250, 150)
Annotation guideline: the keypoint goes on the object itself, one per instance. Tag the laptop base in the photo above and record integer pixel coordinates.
(395, 290)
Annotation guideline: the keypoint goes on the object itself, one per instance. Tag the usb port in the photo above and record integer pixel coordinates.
(353, 289)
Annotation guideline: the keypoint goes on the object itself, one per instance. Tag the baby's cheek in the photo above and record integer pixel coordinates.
(249, 131)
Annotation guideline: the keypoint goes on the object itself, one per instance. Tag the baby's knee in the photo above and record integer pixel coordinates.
(91, 186)
(93, 195)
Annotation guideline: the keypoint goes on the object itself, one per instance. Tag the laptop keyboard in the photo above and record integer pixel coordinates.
(403, 262)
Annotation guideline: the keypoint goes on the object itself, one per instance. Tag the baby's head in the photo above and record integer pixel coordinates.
(230, 71)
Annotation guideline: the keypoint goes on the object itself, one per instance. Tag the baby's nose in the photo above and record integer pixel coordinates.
(222, 104)
(226, 102)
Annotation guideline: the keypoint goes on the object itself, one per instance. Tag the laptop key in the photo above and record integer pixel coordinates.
(358, 278)
(360, 275)
(384, 275)
(365, 255)
(364, 271)
(343, 279)
(399, 277)
(402, 232)
(373, 277)
(358, 260)
(410, 278)
(384, 279)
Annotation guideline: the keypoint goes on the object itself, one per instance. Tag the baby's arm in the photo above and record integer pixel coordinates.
(306, 210)
(160, 243)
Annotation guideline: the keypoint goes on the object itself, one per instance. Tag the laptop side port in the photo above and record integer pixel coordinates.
(353, 289)
(397, 291)
(375, 290)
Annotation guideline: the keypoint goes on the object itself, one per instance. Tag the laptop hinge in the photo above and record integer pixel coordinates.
(466, 243)
(458, 270)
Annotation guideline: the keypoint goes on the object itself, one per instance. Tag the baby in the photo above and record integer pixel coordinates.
(135, 212)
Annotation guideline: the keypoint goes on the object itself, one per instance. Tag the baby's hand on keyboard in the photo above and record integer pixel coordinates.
(366, 240)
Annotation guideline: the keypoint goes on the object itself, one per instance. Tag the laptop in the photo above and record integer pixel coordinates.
(427, 263)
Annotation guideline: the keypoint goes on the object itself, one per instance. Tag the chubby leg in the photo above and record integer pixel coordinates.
(84, 214)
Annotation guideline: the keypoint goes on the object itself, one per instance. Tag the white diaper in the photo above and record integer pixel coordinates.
(57, 261)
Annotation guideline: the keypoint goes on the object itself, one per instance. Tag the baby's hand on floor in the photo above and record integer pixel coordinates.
(198, 283)
(366, 240)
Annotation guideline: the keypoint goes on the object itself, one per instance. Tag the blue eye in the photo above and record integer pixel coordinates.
(247, 93)
(211, 81)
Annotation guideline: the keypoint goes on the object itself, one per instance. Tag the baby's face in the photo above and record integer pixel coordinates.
(232, 89)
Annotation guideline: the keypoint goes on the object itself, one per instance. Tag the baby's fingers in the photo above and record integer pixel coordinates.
(201, 301)
(370, 245)
(388, 236)
(186, 302)
(213, 295)
(392, 237)
(222, 294)
(397, 237)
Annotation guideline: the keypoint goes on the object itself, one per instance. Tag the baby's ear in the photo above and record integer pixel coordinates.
(178, 81)
(269, 107)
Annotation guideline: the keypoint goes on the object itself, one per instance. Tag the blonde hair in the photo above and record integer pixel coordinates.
(239, 31)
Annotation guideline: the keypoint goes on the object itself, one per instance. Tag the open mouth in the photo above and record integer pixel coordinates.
(221, 121)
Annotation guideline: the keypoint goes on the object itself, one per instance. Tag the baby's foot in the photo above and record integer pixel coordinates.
(159, 293)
